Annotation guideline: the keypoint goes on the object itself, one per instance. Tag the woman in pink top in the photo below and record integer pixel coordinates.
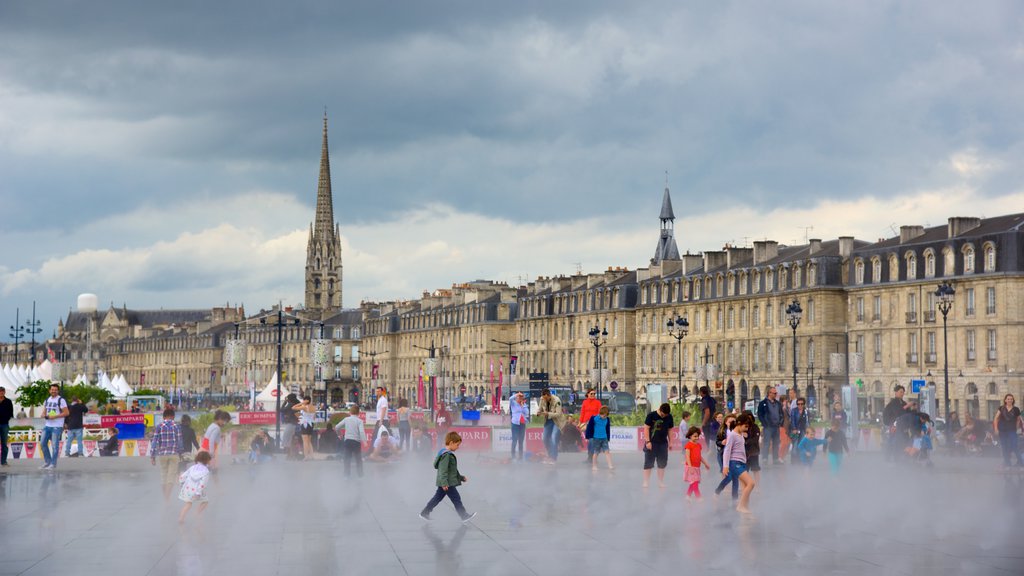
(734, 460)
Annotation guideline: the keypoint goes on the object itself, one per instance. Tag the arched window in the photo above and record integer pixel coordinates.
(929, 263)
(876, 269)
(812, 275)
(769, 280)
(783, 279)
(721, 286)
(797, 276)
(755, 285)
(968, 250)
(731, 288)
(858, 271)
(732, 318)
(911, 258)
(992, 389)
(743, 316)
(948, 262)
(972, 388)
(894, 268)
(990, 257)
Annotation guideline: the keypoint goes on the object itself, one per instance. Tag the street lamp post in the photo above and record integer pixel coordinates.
(509, 366)
(430, 402)
(945, 294)
(280, 340)
(598, 338)
(373, 366)
(794, 313)
(678, 329)
(32, 328)
(17, 332)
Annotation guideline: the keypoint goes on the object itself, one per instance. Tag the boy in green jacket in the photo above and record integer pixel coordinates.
(448, 479)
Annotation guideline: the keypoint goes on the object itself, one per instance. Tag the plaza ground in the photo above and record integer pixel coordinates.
(106, 516)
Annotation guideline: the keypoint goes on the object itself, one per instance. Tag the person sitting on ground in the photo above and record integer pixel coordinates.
(385, 447)
(261, 447)
(571, 439)
(422, 443)
(111, 446)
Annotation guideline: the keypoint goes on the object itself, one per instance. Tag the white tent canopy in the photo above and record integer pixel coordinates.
(269, 394)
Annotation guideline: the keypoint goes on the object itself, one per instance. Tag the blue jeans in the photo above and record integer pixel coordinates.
(771, 442)
(518, 439)
(51, 434)
(5, 429)
(453, 494)
(733, 477)
(74, 434)
(1008, 442)
(551, 436)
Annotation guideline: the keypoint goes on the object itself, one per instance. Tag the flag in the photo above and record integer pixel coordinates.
(496, 402)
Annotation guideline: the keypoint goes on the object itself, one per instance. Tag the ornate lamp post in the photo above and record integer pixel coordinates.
(32, 328)
(17, 332)
(678, 329)
(508, 365)
(945, 293)
(793, 314)
(598, 338)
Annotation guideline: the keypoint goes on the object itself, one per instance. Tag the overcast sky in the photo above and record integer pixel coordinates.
(166, 155)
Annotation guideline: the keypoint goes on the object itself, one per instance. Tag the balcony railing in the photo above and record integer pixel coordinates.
(911, 357)
(911, 317)
(860, 317)
(971, 354)
(930, 358)
(929, 316)
(991, 354)
(876, 317)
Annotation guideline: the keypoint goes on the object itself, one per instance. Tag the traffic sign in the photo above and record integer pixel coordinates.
(916, 385)
(614, 385)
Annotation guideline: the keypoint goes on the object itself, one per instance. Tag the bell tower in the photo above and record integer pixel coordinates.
(323, 252)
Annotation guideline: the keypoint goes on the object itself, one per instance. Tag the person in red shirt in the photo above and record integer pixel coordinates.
(590, 408)
(692, 461)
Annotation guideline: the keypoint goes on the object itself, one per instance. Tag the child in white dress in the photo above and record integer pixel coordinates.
(193, 485)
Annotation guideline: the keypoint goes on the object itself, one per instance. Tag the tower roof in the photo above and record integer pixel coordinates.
(666, 206)
(324, 199)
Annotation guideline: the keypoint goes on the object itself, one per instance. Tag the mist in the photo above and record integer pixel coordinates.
(95, 516)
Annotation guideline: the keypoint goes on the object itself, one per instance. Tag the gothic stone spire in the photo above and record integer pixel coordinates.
(323, 252)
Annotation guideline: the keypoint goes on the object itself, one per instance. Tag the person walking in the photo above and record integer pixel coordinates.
(189, 442)
(166, 448)
(382, 409)
(835, 441)
(193, 485)
(693, 460)
(74, 424)
(707, 411)
(519, 411)
(6, 413)
(797, 428)
(289, 421)
(213, 438)
(551, 410)
(404, 428)
(353, 431)
(659, 423)
(599, 431)
(448, 479)
(752, 444)
(770, 412)
(55, 410)
(1005, 425)
(735, 461)
(590, 408)
(890, 414)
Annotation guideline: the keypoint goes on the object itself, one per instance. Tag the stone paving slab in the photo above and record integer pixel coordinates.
(107, 516)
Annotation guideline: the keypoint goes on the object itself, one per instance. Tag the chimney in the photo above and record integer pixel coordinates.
(691, 262)
(713, 259)
(845, 246)
(815, 245)
(765, 250)
(960, 224)
(908, 233)
(735, 256)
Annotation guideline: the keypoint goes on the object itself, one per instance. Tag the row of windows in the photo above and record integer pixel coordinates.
(596, 299)
(462, 315)
(968, 302)
(728, 318)
(730, 284)
(758, 356)
(931, 346)
(910, 270)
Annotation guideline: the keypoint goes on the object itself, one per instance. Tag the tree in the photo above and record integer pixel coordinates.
(34, 394)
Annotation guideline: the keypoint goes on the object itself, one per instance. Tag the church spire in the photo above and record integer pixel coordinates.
(323, 251)
(667, 249)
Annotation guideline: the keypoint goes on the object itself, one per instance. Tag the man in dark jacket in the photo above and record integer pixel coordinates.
(890, 414)
(797, 428)
(771, 414)
(448, 479)
(6, 413)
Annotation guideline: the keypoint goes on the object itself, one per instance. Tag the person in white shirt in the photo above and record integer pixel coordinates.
(382, 410)
(55, 409)
(353, 432)
(385, 447)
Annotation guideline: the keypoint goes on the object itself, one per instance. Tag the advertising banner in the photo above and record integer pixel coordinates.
(90, 448)
(30, 450)
(109, 421)
(624, 439)
(675, 438)
(256, 418)
(16, 449)
(474, 438)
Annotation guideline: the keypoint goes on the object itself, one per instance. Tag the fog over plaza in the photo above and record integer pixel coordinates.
(293, 517)
(166, 156)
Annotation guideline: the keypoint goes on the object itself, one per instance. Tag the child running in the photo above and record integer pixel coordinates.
(735, 457)
(835, 440)
(692, 462)
(599, 430)
(193, 485)
(448, 479)
(728, 424)
(808, 447)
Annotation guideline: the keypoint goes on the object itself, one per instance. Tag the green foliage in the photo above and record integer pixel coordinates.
(201, 423)
(88, 393)
(34, 394)
(147, 392)
(18, 428)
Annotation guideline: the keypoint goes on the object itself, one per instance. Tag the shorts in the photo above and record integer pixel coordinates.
(598, 445)
(307, 430)
(168, 466)
(754, 463)
(657, 453)
(736, 469)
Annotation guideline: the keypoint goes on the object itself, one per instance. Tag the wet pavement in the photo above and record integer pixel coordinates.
(106, 516)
